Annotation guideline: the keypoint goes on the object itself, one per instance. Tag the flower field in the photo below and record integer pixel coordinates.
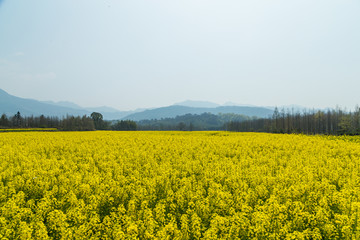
(178, 185)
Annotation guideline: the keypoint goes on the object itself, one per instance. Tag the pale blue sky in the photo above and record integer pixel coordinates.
(150, 53)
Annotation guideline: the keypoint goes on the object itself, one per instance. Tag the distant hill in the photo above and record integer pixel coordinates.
(10, 104)
(108, 113)
(175, 110)
(64, 104)
(197, 104)
(103, 109)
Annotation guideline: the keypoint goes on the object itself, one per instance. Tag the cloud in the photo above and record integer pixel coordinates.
(17, 54)
(38, 77)
(14, 74)
(3, 61)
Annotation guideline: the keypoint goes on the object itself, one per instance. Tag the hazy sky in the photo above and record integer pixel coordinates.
(150, 53)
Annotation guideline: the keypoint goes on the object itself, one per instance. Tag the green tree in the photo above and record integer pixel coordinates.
(124, 125)
(98, 120)
(4, 121)
(345, 124)
(181, 126)
(17, 119)
(276, 120)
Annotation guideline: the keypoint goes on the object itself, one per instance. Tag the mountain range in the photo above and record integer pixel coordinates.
(10, 105)
(177, 110)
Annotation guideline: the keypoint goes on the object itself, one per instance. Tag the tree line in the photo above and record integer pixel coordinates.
(191, 122)
(69, 123)
(331, 122)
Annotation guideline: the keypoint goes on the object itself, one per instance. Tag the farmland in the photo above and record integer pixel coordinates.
(178, 185)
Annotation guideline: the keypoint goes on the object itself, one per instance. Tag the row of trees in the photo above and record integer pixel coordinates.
(122, 125)
(191, 122)
(68, 123)
(334, 122)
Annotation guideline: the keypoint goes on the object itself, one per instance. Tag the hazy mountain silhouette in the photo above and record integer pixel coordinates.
(176, 110)
(197, 104)
(10, 105)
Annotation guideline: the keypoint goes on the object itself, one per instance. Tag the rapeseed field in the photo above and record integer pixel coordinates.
(178, 185)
